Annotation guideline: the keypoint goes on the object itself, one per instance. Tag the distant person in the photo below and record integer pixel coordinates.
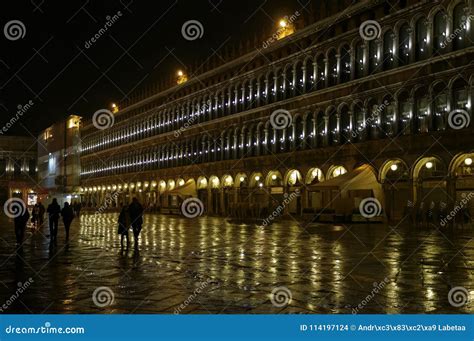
(35, 216)
(124, 224)
(41, 211)
(20, 226)
(136, 218)
(54, 210)
(68, 215)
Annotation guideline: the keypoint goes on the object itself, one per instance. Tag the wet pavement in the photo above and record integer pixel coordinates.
(208, 265)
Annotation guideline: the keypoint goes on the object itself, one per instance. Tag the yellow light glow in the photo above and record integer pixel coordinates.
(394, 167)
(283, 23)
(468, 161)
(115, 107)
(242, 178)
(429, 165)
(274, 177)
(181, 77)
(257, 178)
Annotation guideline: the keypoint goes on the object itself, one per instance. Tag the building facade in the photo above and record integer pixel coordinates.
(18, 168)
(59, 160)
(389, 114)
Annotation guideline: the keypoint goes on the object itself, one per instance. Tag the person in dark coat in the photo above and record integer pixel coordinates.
(124, 224)
(54, 211)
(20, 222)
(41, 210)
(68, 215)
(136, 217)
(35, 215)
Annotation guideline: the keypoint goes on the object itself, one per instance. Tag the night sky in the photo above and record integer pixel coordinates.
(52, 67)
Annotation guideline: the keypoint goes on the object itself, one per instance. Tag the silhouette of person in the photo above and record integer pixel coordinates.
(53, 211)
(20, 222)
(136, 217)
(41, 211)
(68, 215)
(124, 224)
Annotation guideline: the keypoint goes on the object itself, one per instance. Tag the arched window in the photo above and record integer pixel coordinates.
(344, 125)
(359, 127)
(332, 68)
(459, 27)
(388, 41)
(299, 78)
(420, 39)
(421, 121)
(439, 32)
(405, 110)
(374, 56)
(387, 111)
(404, 45)
(440, 106)
(345, 66)
(309, 78)
(333, 128)
(321, 81)
(288, 81)
(359, 61)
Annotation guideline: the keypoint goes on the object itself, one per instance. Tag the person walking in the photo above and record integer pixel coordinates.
(136, 217)
(20, 222)
(53, 214)
(35, 216)
(68, 215)
(124, 224)
(41, 211)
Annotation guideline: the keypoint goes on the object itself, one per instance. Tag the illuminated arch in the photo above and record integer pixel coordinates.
(392, 165)
(335, 171)
(314, 173)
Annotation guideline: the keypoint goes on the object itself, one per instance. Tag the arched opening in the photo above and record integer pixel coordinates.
(439, 32)
(215, 185)
(345, 64)
(440, 93)
(404, 45)
(388, 45)
(360, 60)
(429, 179)
(422, 111)
(420, 39)
(405, 110)
(394, 176)
(332, 68)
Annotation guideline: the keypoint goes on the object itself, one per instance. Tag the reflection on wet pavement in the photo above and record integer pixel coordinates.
(208, 265)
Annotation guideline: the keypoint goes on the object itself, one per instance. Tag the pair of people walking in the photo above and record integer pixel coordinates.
(54, 211)
(130, 215)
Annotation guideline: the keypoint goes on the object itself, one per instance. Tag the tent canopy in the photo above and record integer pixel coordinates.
(361, 178)
(186, 190)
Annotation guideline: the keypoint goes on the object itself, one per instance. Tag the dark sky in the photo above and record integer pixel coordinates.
(51, 66)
